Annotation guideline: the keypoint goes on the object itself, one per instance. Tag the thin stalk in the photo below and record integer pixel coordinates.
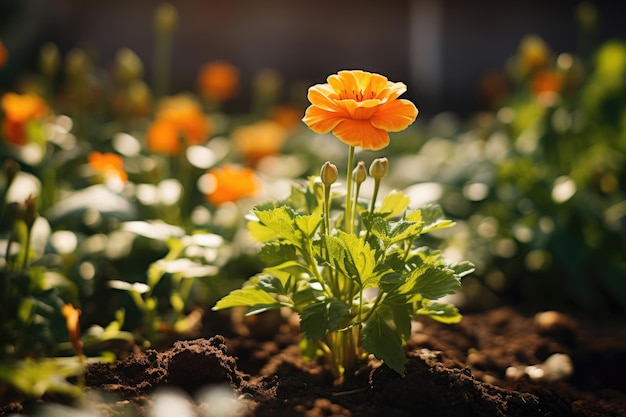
(326, 229)
(349, 225)
(29, 232)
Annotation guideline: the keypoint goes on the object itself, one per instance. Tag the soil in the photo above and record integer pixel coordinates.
(504, 362)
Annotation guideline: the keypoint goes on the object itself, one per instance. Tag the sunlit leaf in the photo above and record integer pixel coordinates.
(394, 203)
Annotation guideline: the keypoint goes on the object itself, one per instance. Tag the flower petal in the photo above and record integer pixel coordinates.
(321, 96)
(321, 120)
(361, 133)
(394, 116)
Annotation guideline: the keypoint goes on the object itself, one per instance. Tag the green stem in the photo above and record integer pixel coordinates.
(373, 202)
(374, 195)
(349, 225)
(27, 248)
(326, 229)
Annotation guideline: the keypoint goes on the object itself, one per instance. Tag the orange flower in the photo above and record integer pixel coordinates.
(218, 80)
(179, 118)
(546, 82)
(258, 140)
(72, 316)
(288, 116)
(4, 55)
(19, 110)
(108, 165)
(360, 108)
(231, 183)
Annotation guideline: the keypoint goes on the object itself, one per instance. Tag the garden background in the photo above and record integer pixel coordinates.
(521, 139)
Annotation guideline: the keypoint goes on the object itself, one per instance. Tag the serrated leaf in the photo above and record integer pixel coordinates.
(261, 233)
(380, 339)
(394, 203)
(391, 232)
(432, 217)
(425, 281)
(442, 312)
(322, 316)
(308, 224)
(249, 296)
(353, 257)
(462, 268)
(273, 254)
(281, 220)
(434, 283)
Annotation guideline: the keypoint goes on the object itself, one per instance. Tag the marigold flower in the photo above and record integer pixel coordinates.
(72, 316)
(259, 140)
(179, 118)
(4, 55)
(546, 82)
(360, 108)
(108, 165)
(218, 80)
(231, 183)
(19, 110)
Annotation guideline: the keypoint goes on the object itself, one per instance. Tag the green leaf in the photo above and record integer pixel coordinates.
(432, 218)
(273, 254)
(249, 296)
(394, 203)
(462, 268)
(425, 281)
(282, 222)
(322, 316)
(381, 338)
(353, 257)
(261, 233)
(391, 232)
(308, 224)
(442, 312)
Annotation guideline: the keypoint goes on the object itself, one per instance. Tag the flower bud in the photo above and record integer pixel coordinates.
(166, 19)
(328, 173)
(49, 59)
(77, 65)
(128, 66)
(30, 211)
(10, 168)
(359, 173)
(379, 168)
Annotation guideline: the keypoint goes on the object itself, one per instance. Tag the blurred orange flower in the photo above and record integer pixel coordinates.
(19, 110)
(108, 165)
(360, 108)
(178, 119)
(288, 116)
(258, 140)
(4, 55)
(230, 183)
(546, 82)
(72, 316)
(218, 80)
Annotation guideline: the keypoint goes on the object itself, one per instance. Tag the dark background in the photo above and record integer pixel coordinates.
(440, 48)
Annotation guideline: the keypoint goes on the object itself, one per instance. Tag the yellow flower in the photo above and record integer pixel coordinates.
(179, 118)
(19, 110)
(218, 80)
(108, 165)
(231, 183)
(72, 316)
(360, 108)
(259, 140)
